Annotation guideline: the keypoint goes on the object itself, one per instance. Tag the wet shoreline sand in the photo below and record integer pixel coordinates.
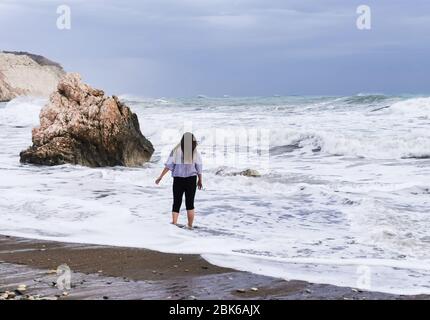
(105, 272)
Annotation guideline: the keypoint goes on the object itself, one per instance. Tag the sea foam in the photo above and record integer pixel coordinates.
(344, 199)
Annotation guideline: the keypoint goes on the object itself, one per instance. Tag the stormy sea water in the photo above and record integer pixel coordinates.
(343, 197)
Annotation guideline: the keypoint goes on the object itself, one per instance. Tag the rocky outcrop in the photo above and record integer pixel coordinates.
(80, 125)
(25, 74)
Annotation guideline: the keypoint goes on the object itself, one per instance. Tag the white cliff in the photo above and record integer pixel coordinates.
(25, 74)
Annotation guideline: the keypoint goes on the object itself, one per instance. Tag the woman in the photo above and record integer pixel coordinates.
(186, 165)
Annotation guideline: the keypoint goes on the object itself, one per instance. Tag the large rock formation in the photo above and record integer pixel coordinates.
(80, 125)
(22, 73)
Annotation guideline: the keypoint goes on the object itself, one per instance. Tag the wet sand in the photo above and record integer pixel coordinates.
(103, 272)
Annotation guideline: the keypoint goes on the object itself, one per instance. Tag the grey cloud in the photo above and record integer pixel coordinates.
(242, 47)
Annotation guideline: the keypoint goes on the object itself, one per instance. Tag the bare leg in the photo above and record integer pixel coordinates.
(190, 216)
(175, 216)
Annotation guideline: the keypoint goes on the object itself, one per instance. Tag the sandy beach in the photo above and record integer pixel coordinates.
(100, 272)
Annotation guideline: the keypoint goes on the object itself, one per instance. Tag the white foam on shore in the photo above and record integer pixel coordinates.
(359, 203)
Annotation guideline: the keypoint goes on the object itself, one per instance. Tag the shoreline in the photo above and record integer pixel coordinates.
(105, 272)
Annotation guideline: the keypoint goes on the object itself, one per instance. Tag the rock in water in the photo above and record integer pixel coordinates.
(80, 125)
(24, 74)
(250, 173)
(247, 173)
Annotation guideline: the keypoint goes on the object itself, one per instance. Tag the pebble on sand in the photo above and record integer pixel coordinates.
(22, 287)
(8, 295)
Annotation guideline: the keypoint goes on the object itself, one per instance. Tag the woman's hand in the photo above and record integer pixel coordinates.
(200, 184)
(165, 170)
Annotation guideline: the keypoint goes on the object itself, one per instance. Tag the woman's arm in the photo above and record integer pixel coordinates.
(168, 166)
(200, 182)
(163, 173)
(199, 169)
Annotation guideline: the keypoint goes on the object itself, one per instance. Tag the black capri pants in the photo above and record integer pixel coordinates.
(184, 185)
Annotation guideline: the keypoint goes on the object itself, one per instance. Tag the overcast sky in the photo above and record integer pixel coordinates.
(235, 47)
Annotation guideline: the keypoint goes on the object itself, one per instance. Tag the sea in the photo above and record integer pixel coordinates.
(342, 196)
